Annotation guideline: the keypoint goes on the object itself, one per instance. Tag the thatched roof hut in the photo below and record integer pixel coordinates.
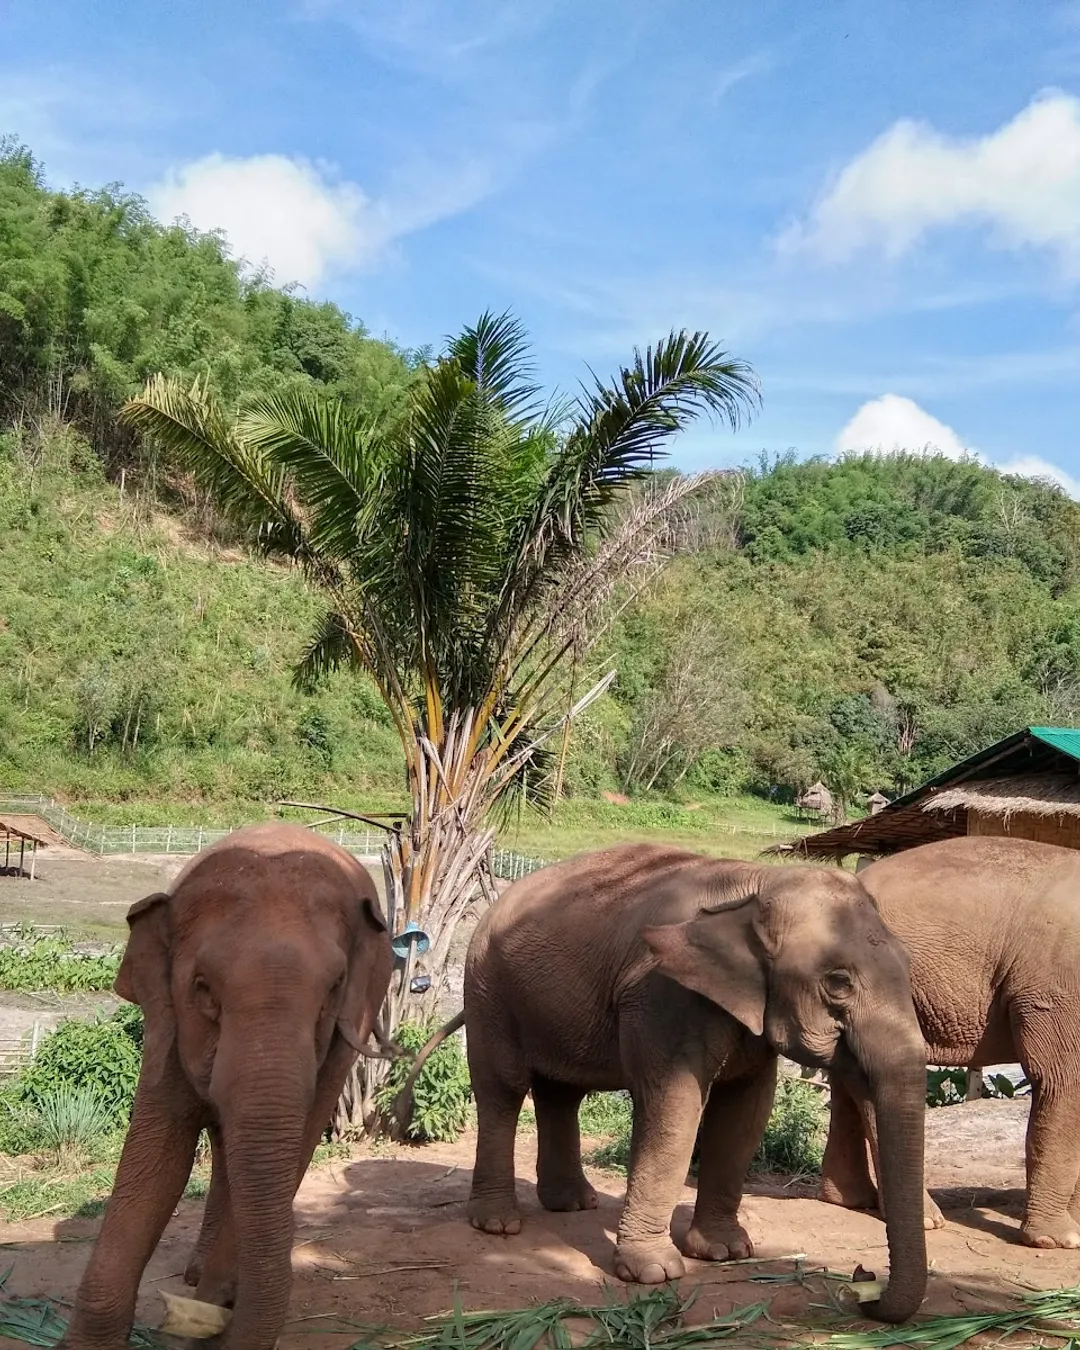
(817, 797)
(877, 802)
(1026, 786)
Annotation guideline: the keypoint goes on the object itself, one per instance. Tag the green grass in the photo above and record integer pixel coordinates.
(737, 827)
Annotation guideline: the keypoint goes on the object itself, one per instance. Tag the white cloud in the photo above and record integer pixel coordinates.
(892, 424)
(1031, 466)
(1022, 180)
(303, 222)
(280, 211)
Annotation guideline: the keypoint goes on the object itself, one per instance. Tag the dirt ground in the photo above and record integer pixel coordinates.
(382, 1238)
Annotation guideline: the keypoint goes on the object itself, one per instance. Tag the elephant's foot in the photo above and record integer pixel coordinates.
(566, 1193)
(649, 1262)
(932, 1215)
(722, 1240)
(850, 1194)
(1048, 1233)
(492, 1214)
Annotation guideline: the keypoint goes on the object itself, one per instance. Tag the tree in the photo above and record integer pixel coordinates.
(465, 552)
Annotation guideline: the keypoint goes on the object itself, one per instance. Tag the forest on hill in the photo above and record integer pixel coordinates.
(867, 620)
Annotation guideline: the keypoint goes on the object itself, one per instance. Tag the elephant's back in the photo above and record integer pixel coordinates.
(627, 884)
(986, 921)
(959, 883)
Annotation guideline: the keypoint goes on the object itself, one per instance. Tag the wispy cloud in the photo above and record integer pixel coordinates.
(731, 76)
(1022, 181)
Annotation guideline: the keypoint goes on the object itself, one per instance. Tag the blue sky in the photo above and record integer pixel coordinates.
(876, 203)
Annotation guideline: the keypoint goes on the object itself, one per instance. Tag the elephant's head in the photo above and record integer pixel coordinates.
(261, 964)
(802, 957)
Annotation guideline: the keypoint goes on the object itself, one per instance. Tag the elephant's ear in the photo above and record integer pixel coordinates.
(721, 954)
(145, 975)
(368, 974)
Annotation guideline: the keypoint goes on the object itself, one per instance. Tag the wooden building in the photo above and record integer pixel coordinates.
(1026, 786)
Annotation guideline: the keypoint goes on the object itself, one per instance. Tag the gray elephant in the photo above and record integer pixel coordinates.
(260, 975)
(680, 978)
(993, 931)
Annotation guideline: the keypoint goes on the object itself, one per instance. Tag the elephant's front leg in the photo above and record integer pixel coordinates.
(667, 1110)
(150, 1179)
(845, 1168)
(733, 1126)
(212, 1268)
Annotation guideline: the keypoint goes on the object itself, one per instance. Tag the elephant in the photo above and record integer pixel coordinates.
(682, 978)
(992, 927)
(260, 973)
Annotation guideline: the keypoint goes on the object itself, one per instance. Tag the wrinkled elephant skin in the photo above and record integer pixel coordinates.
(992, 927)
(259, 974)
(680, 978)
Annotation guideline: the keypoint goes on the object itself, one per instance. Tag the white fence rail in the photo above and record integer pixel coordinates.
(185, 840)
(16, 1051)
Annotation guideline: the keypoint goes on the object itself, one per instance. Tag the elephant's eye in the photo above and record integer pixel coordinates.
(839, 984)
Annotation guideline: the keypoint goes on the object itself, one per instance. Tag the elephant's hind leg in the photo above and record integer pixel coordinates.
(560, 1182)
(732, 1128)
(1053, 1166)
(499, 1087)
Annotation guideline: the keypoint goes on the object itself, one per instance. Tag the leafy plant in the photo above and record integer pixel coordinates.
(794, 1141)
(442, 1092)
(948, 1087)
(34, 963)
(102, 1057)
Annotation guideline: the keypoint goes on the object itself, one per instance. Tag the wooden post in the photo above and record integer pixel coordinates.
(974, 1084)
(33, 860)
(22, 855)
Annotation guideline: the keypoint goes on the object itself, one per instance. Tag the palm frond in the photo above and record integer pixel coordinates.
(620, 431)
(336, 465)
(189, 425)
(332, 646)
(493, 353)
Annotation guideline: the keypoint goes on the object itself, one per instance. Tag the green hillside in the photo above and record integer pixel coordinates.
(866, 621)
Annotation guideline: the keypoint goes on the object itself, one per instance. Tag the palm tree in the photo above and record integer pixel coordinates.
(466, 554)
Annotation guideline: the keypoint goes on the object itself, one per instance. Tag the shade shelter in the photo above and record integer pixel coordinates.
(18, 837)
(1026, 786)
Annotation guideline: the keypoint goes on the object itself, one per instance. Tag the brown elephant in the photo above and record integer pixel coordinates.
(260, 975)
(680, 978)
(992, 927)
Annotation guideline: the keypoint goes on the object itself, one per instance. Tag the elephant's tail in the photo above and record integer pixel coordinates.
(404, 1104)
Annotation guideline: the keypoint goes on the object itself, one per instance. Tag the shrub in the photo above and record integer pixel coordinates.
(794, 1139)
(36, 963)
(795, 1135)
(101, 1057)
(442, 1092)
(948, 1087)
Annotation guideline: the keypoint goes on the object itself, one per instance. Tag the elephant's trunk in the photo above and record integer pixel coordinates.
(897, 1100)
(264, 1106)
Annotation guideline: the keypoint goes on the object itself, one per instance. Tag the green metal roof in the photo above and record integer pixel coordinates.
(1027, 749)
(1065, 739)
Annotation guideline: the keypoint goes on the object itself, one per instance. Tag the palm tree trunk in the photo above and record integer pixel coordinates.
(436, 869)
